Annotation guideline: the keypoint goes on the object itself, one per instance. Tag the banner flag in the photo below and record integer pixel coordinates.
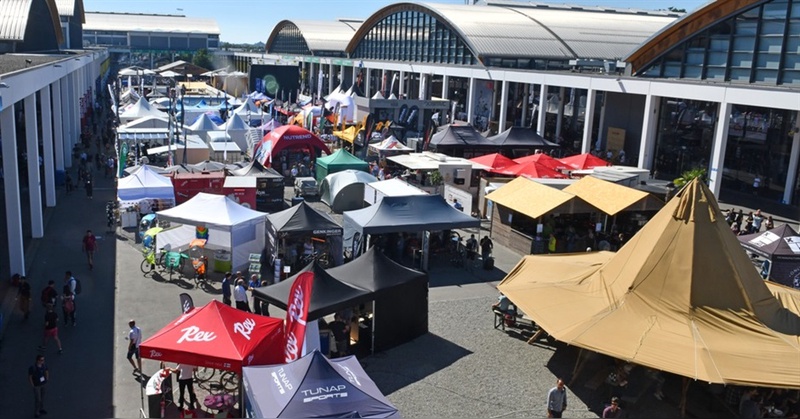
(187, 304)
(297, 314)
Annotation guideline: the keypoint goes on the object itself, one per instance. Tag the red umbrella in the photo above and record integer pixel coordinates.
(532, 169)
(218, 336)
(584, 161)
(542, 159)
(494, 160)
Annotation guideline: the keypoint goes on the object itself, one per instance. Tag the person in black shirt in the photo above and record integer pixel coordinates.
(50, 329)
(38, 376)
(341, 332)
(24, 297)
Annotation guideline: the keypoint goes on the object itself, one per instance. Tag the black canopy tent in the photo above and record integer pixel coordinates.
(299, 222)
(460, 141)
(781, 246)
(520, 138)
(400, 296)
(269, 186)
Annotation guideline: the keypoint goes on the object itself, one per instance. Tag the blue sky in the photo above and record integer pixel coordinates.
(251, 21)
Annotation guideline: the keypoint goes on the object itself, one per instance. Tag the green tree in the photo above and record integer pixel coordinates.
(202, 59)
(689, 175)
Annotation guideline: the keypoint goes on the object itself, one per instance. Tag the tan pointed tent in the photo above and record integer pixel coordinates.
(681, 296)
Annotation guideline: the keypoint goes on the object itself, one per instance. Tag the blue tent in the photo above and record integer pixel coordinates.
(314, 387)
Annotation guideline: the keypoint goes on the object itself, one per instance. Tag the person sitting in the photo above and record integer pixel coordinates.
(504, 305)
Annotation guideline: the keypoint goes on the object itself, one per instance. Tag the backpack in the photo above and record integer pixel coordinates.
(77, 286)
(69, 305)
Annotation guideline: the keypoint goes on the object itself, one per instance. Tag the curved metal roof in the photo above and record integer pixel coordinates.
(71, 8)
(536, 30)
(320, 35)
(137, 22)
(15, 16)
(683, 28)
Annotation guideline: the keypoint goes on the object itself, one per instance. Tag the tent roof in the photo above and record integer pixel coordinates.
(396, 187)
(584, 161)
(204, 123)
(235, 122)
(358, 393)
(605, 196)
(543, 159)
(781, 242)
(391, 143)
(494, 160)
(255, 168)
(531, 169)
(375, 272)
(145, 183)
(459, 135)
(149, 121)
(284, 137)
(328, 294)
(681, 296)
(303, 218)
(517, 194)
(341, 157)
(211, 210)
(405, 213)
(223, 348)
(336, 182)
(141, 109)
(519, 136)
(208, 166)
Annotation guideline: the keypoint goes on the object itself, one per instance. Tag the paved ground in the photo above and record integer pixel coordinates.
(463, 367)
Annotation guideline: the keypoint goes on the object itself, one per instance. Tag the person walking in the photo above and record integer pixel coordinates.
(72, 284)
(49, 294)
(68, 305)
(50, 329)
(89, 245)
(87, 184)
(38, 376)
(24, 297)
(226, 288)
(613, 410)
(486, 247)
(134, 340)
(185, 382)
(557, 400)
(240, 296)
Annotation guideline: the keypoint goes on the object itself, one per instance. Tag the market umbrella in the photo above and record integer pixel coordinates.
(544, 160)
(494, 160)
(584, 161)
(531, 169)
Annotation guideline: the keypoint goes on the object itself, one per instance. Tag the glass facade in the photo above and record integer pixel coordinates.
(760, 45)
(289, 41)
(685, 136)
(413, 36)
(759, 146)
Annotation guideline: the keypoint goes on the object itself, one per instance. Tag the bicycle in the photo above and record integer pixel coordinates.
(149, 262)
(173, 261)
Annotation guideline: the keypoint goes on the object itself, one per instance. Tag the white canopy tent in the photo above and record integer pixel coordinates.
(145, 183)
(374, 192)
(231, 226)
(204, 123)
(148, 122)
(248, 106)
(140, 109)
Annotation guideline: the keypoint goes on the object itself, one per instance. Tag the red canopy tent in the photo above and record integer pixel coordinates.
(542, 159)
(584, 161)
(494, 160)
(286, 137)
(531, 169)
(218, 336)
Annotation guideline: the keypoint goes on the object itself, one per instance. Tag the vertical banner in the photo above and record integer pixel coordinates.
(297, 314)
(187, 304)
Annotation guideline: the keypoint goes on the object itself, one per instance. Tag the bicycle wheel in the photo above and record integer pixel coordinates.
(146, 266)
(229, 381)
(161, 259)
(203, 374)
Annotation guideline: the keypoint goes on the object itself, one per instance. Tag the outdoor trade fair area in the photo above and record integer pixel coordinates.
(231, 244)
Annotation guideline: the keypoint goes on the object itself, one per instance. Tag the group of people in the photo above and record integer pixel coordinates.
(750, 224)
(238, 294)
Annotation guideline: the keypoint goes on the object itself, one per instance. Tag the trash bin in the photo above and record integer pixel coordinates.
(222, 261)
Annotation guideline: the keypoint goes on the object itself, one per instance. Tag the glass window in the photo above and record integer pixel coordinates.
(740, 59)
(715, 73)
(717, 58)
(744, 43)
(792, 62)
(740, 75)
(770, 44)
(766, 76)
(771, 61)
(693, 72)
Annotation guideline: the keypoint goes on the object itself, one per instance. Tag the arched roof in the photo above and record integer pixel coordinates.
(15, 18)
(319, 35)
(526, 30)
(683, 28)
(72, 8)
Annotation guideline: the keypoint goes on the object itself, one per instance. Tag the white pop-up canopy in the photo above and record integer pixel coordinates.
(144, 183)
(231, 226)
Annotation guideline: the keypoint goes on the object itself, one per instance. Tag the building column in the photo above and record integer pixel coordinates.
(34, 182)
(47, 147)
(794, 156)
(501, 126)
(471, 101)
(601, 125)
(588, 120)
(367, 82)
(383, 83)
(542, 109)
(331, 79)
(525, 95)
(720, 144)
(647, 144)
(562, 93)
(58, 134)
(16, 251)
(445, 87)
(402, 81)
(423, 86)
(341, 76)
(66, 128)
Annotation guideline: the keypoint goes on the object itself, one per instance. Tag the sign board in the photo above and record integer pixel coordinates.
(615, 139)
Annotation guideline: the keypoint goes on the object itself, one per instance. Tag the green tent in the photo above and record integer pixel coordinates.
(338, 161)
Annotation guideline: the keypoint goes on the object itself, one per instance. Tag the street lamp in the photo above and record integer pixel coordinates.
(183, 123)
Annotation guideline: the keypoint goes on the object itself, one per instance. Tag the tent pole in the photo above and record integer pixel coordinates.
(579, 361)
(684, 390)
(372, 348)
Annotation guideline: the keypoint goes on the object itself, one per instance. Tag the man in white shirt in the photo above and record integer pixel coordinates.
(185, 380)
(134, 339)
(240, 296)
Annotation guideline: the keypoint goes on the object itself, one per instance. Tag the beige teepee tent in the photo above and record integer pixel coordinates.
(681, 296)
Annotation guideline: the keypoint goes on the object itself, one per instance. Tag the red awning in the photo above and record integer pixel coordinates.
(531, 169)
(494, 160)
(286, 137)
(584, 161)
(218, 336)
(544, 160)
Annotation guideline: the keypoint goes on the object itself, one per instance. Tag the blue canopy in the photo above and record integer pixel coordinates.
(314, 387)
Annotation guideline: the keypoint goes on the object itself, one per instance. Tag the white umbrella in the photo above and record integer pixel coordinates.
(136, 71)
